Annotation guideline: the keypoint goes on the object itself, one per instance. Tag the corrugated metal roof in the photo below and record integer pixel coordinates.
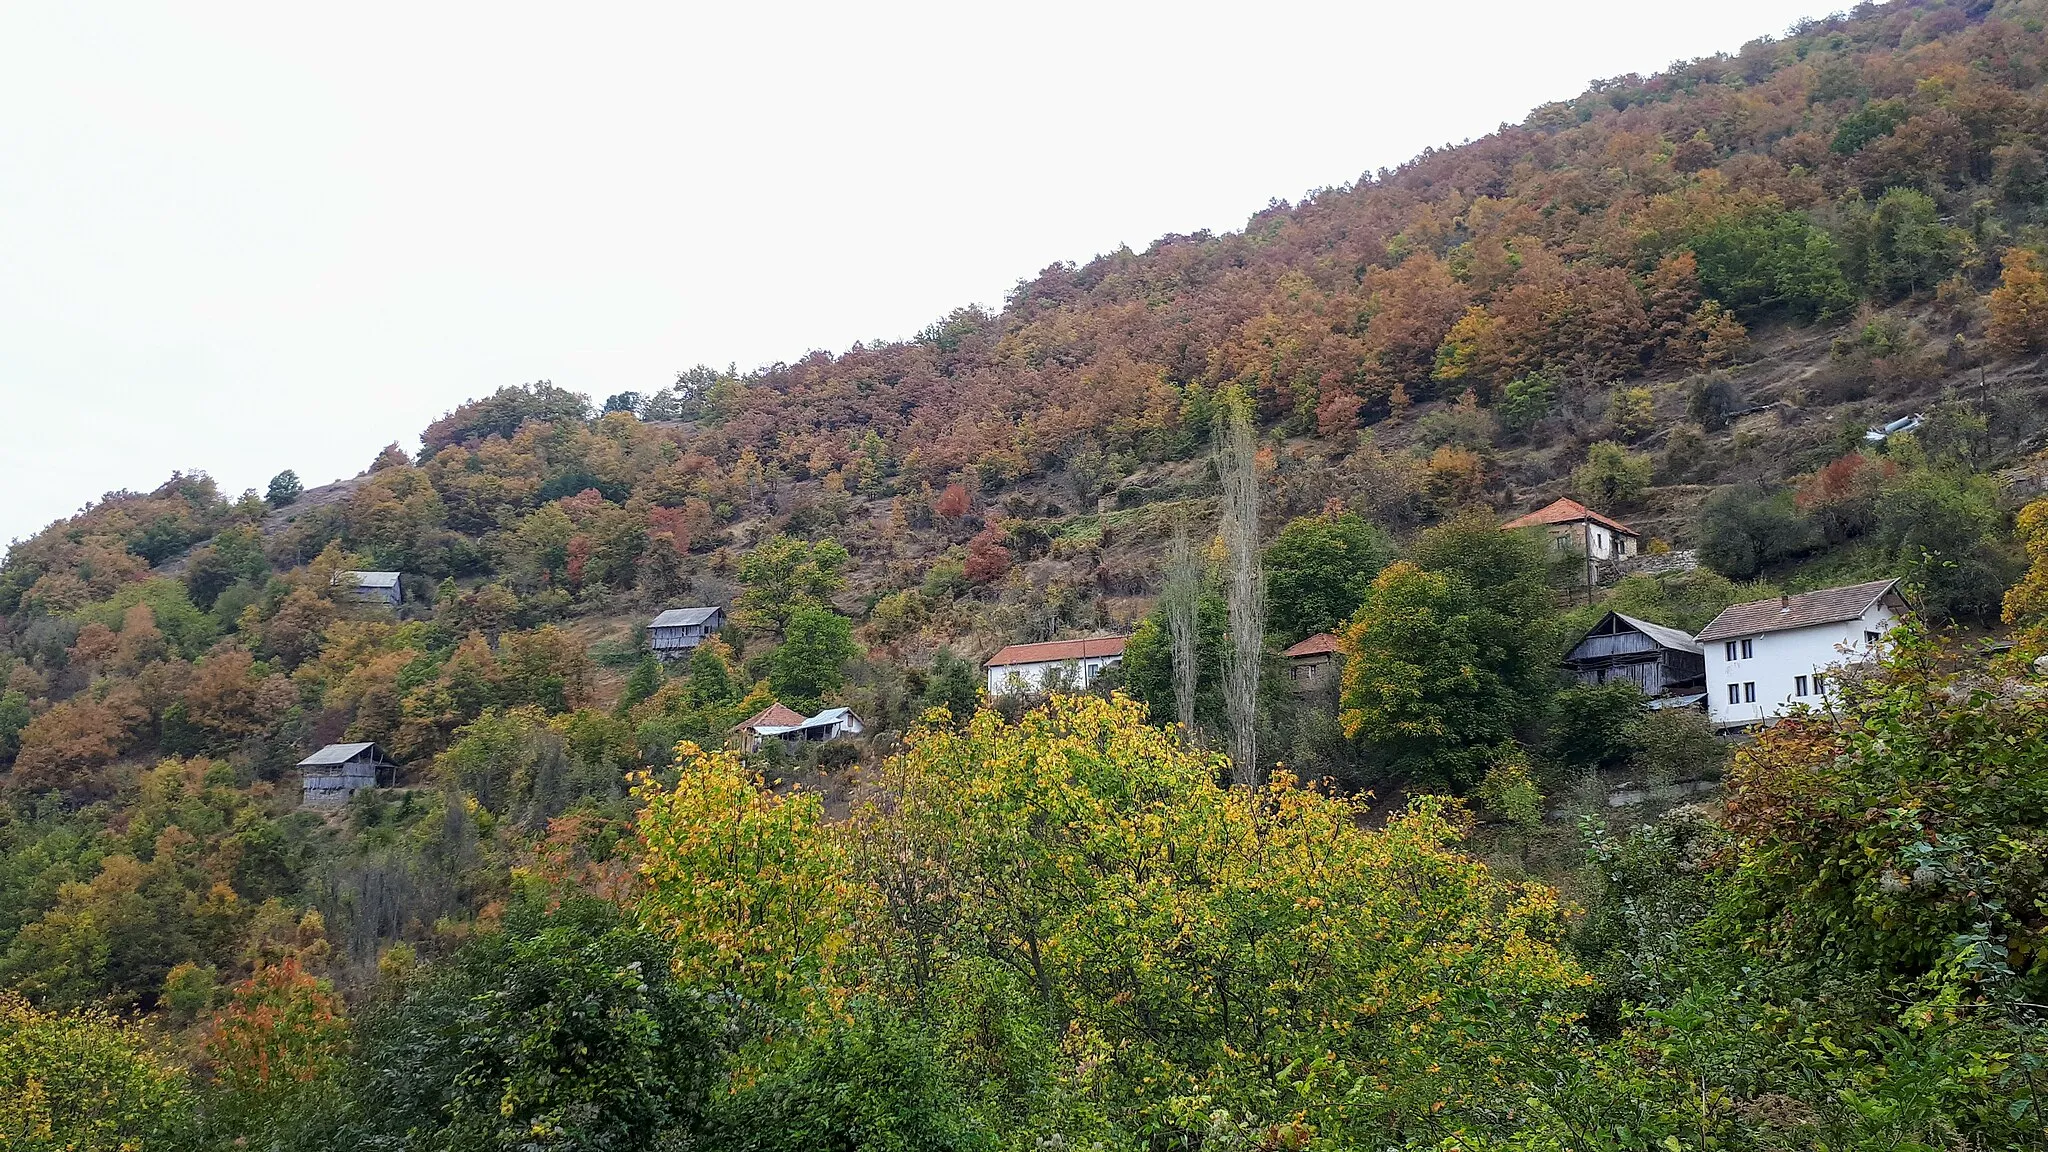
(1663, 702)
(370, 579)
(1563, 511)
(1827, 606)
(683, 617)
(826, 719)
(1316, 645)
(1667, 636)
(335, 754)
(1052, 650)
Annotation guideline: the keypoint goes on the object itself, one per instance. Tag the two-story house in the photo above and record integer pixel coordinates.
(1313, 665)
(1764, 657)
(1573, 527)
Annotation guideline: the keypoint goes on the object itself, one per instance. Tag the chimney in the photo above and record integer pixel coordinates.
(1784, 602)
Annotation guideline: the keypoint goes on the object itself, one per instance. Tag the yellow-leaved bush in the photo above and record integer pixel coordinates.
(87, 1082)
(748, 884)
(1079, 906)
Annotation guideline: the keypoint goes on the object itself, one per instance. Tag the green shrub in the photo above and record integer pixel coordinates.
(562, 1031)
(872, 1083)
(1744, 528)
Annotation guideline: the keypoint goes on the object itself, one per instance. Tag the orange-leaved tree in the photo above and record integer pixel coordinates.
(281, 1026)
(2019, 305)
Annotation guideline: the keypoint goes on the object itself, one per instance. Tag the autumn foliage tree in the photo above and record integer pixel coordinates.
(987, 557)
(278, 1041)
(745, 882)
(1134, 833)
(86, 1083)
(2019, 305)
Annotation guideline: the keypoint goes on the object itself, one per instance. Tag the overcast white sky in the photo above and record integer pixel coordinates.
(246, 237)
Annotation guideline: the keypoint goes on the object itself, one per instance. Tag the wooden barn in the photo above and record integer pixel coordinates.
(676, 633)
(1661, 661)
(339, 771)
(371, 587)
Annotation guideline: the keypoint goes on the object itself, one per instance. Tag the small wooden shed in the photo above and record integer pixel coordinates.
(339, 771)
(1659, 660)
(676, 633)
(371, 587)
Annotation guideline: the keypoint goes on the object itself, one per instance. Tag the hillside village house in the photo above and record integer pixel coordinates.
(677, 632)
(780, 722)
(1764, 657)
(1312, 664)
(1029, 667)
(370, 587)
(339, 771)
(1666, 664)
(1573, 527)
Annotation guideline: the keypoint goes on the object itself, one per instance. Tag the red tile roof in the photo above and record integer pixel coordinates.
(1055, 650)
(1316, 645)
(1562, 511)
(776, 715)
(1827, 606)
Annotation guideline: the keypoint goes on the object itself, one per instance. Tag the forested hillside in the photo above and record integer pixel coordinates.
(579, 921)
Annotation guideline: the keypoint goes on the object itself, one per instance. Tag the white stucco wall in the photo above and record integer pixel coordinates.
(1007, 678)
(1778, 659)
(1597, 541)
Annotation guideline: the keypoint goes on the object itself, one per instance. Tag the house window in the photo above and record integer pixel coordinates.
(1820, 687)
(1799, 685)
(1749, 692)
(1730, 650)
(1735, 693)
(1869, 637)
(1749, 650)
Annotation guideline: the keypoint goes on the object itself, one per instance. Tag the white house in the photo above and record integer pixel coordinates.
(1764, 657)
(1028, 667)
(1573, 527)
